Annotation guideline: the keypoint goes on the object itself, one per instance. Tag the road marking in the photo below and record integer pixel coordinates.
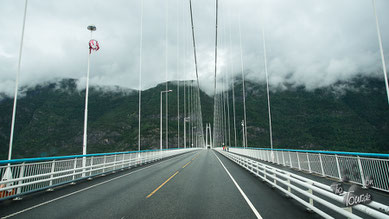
(196, 156)
(171, 177)
(186, 164)
(240, 190)
(84, 189)
(162, 184)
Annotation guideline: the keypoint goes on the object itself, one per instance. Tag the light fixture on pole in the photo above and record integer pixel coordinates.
(186, 119)
(193, 127)
(93, 45)
(7, 175)
(16, 89)
(160, 125)
(244, 142)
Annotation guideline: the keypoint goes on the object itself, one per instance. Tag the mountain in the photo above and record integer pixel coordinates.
(348, 116)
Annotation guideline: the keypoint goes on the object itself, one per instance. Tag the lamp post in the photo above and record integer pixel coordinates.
(160, 125)
(244, 142)
(193, 127)
(186, 119)
(16, 91)
(91, 28)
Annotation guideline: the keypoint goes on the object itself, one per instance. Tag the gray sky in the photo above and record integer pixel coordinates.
(310, 42)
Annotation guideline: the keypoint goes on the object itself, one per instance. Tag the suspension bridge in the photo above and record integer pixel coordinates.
(207, 176)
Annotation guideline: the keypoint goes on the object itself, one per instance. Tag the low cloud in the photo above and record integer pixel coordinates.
(309, 43)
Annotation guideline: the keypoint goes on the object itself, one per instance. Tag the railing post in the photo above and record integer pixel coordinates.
(321, 165)
(51, 175)
(90, 168)
(288, 180)
(290, 160)
(74, 168)
(361, 172)
(104, 163)
(122, 161)
(298, 160)
(338, 167)
(309, 163)
(310, 199)
(21, 175)
(114, 163)
(283, 157)
(278, 160)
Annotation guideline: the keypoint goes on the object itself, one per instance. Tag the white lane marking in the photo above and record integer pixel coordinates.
(240, 190)
(67, 195)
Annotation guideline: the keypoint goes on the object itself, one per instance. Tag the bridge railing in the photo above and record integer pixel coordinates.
(359, 168)
(314, 195)
(22, 176)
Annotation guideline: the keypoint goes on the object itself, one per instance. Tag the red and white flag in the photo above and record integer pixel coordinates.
(93, 45)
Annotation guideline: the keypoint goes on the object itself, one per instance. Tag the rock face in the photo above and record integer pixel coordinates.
(352, 116)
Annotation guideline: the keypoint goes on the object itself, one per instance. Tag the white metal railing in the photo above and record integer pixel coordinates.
(306, 191)
(357, 167)
(24, 176)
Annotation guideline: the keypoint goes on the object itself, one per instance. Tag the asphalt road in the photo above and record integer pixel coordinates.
(192, 185)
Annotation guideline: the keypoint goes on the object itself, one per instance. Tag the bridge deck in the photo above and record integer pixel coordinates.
(192, 185)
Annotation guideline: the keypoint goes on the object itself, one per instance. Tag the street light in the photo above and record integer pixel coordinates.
(193, 127)
(160, 126)
(91, 28)
(186, 119)
(244, 142)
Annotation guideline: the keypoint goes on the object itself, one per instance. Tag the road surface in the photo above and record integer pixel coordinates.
(199, 184)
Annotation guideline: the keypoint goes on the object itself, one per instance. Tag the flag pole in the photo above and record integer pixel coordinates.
(84, 143)
(17, 85)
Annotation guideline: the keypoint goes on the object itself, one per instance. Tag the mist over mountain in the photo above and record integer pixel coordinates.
(347, 116)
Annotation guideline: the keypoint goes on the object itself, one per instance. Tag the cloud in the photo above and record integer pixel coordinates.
(309, 43)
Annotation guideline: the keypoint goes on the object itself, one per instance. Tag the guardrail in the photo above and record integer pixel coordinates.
(358, 168)
(22, 176)
(315, 196)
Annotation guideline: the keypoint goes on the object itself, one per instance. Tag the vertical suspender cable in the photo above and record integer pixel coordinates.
(194, 44)
(381, 50)
(166, 71)
(267, 82)
(226, 88)
(178, 81)
(195, 55)
(243, 87)
(232, 80)
(17, 84)
(214, 100)
(185, 81)
(140, 70)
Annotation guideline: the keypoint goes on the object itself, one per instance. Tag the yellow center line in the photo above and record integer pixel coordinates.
(171, 177)
(186, 164)
(162, 184)
(196, 156)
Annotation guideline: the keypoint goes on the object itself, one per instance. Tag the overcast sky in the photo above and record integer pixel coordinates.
(310, 42)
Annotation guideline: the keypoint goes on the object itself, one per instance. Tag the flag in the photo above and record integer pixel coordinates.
(93, 45)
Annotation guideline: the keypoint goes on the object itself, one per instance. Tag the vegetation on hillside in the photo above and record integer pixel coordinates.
(348, 116)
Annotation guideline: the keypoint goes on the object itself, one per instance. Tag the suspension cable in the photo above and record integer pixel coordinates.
(232, 78)
(243, 88)
(214, 100)
(178, 81)
(166, 72)
(381, 50)
(267, 82)
(17, 84)
(140, 70)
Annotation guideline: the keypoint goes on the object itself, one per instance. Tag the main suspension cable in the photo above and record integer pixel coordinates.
(140, 70)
